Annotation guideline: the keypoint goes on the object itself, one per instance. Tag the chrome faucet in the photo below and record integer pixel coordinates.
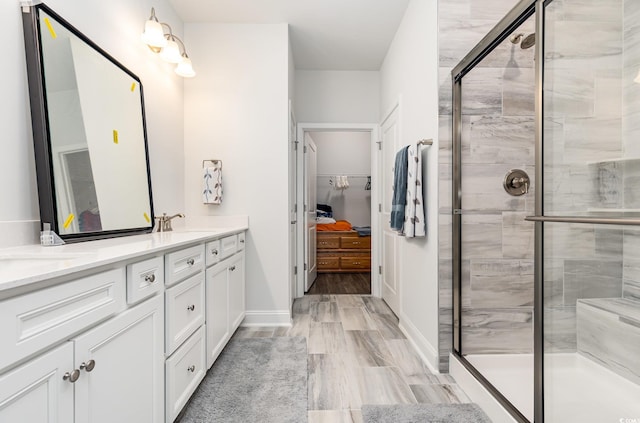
(164, 222)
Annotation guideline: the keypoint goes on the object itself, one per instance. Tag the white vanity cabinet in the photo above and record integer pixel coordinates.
(225, 291)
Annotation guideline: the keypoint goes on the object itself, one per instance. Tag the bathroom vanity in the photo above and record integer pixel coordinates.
(116, 330)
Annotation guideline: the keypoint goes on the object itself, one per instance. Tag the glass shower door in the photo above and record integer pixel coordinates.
(590, 232)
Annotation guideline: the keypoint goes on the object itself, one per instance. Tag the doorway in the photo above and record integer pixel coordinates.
(337, 179)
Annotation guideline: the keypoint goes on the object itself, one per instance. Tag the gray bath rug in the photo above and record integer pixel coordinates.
(254, 380)
(424, 413)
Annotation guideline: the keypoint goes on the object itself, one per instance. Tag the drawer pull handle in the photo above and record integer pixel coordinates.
(191, 307)
(356, 242)
(150, 278)
(88, 366)
(72, 377)
(214, 252)
(191, 368)
(191, 262)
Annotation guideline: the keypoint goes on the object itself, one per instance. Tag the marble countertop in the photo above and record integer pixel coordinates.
(29, 264)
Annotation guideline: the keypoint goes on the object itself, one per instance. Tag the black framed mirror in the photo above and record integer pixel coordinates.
(89, 133)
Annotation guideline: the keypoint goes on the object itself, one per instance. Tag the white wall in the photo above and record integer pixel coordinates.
(115, 26)
(337, 96)
(236, 111)
(344, 153)
(410, 72)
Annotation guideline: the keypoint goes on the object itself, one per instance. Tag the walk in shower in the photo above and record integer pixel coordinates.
(546, 211)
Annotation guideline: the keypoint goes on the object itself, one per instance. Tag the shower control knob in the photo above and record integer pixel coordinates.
(516, 182)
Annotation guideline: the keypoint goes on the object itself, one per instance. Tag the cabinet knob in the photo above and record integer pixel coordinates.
(242, 241)
(232, 268)
(191, 307)
(191, 262)
(214, 252)
(72, 377)
(191, 368)
(150, 278)
(88, 366)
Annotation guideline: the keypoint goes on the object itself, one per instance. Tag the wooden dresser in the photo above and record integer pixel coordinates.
(343, 252)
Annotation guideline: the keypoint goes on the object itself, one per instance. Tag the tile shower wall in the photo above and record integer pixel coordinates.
(462, 24)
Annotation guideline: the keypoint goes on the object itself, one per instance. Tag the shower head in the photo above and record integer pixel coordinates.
(528, 41)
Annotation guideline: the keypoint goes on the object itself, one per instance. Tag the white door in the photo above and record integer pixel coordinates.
(390, 280)
(310, 162)
(216, 289)
(293, 187)
(36, 391)
(236, 291)
(121, 366)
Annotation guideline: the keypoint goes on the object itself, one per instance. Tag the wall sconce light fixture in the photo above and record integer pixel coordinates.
(167, 45)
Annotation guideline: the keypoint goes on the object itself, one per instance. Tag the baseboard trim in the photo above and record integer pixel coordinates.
(425, 350)
(266, 318)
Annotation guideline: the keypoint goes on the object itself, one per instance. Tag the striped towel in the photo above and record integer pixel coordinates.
(212, 185)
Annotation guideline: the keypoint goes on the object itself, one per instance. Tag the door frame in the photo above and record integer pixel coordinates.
(374, 130)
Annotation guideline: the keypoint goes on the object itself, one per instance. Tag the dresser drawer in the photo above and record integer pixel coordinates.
(212, 252)
(34, 321)
(241, 241)
(328, 263)
(184, 370)
(355, 262)
(184, 263)
(328, 242)
(144, 279)
(228, 246)
(349, 242)
(184, 311)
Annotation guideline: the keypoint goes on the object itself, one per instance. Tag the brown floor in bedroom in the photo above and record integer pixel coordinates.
(358, 355)
(341, 283)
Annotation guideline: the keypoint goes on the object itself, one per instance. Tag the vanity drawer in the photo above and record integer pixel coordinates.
(34, 321)
(184, 263)
(228, 246)
(184, 311)
(355, 242)
(212, 252)
(144, 279)
(241, 241)
(184, 370)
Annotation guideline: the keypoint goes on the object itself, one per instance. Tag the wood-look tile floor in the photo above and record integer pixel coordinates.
(357, 355)
(341, 283)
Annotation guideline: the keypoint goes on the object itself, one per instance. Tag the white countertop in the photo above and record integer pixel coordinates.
(21, 266)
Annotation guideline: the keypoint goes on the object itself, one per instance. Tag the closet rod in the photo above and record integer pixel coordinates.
(323, 175)
(426, 142)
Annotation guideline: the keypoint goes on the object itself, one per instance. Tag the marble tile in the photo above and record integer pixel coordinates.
(501, 140)
(482, 188)
(324, 312)
(482, 92)
(387, 325)
(491, 10)
(631, 290)
(586, 10)
(335, 416)
(570, 189)
(608, 92)
(569, 241)
(454, 9)
(569, 94)
(461, 36)
(518, 95)
(445, 92)
(560, 330)
(631, 181)
(553, 282)
(501, 283)
(356, 318)
(299, 327)
(608, 180)
(518, 236)
(481, 236)
(439, 394)
(593, 139)
(445, 338)
(497, 331)
(301, 305)
(411, 367)
(327, 383)
(382, 385)
(611, 338)
(609, 242)
(326, 338)
(376, 305)
(368, 348)
(591, 279)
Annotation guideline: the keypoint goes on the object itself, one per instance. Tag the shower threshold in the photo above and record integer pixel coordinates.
(577, 389)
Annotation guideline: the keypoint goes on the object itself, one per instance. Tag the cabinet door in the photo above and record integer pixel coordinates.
(36, 391)
(236, 291)
(217, 311)
(127, 382)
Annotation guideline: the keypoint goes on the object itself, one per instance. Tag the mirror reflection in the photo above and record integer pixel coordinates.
(96, 136)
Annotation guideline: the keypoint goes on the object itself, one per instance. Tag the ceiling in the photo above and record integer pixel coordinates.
(325, 34)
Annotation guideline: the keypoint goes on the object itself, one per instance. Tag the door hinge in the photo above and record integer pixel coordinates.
(295, 208)
(379, 145)
(295, 270)
(380, 270)
(305, 149)
(305, 266)
(380, 207)
(295, 145)
(305, 208)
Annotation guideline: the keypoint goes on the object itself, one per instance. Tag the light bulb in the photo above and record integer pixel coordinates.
(185, 69)
(153, 35)
(171, 52)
